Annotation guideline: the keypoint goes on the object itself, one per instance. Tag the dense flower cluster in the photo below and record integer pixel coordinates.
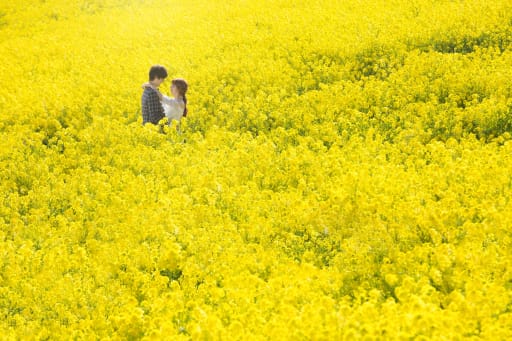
(343, 173)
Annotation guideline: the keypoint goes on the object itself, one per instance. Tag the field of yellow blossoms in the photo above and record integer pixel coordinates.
(344, 172)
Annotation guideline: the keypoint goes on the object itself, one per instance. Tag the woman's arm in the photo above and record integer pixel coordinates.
(149, 85)
(159, 94)
(166, 100)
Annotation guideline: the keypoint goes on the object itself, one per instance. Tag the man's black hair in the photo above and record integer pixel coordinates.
(157, 71)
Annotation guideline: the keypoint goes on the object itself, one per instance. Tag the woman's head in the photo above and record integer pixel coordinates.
(179, 89)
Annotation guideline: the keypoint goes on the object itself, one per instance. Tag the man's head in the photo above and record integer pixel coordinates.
(157, 74)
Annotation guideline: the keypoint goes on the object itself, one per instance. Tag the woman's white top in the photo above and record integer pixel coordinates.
(173, 108)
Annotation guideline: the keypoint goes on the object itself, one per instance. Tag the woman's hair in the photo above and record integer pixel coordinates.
(182, 86)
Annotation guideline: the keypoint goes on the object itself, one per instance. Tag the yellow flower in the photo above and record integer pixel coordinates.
(334, 179)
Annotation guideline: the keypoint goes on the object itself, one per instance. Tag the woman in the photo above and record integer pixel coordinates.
(174, 108)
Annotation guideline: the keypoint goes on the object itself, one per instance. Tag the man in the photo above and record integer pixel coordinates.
(152, 110)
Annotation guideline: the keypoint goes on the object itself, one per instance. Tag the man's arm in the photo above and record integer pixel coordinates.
(156, 111)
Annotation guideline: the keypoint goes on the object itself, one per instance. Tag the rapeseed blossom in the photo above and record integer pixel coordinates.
(343, 173)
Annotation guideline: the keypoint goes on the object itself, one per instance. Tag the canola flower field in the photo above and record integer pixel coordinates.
(344, 172)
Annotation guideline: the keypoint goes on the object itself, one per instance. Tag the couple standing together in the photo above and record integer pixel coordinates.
(156, 106)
